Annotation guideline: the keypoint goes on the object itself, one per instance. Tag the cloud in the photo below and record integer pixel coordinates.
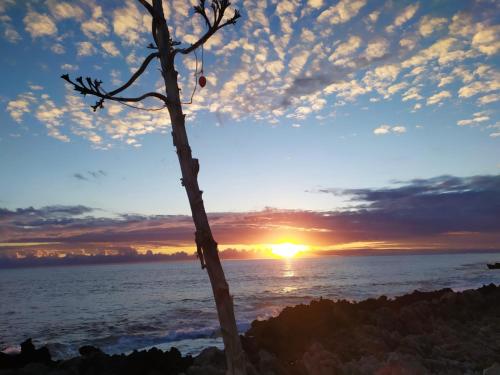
(346, 89)
(496, 130)
(444, 204)
(97, 174)
(429, 25)
(110, 48)
(80, 177)
(109, 255)
(487, 99)
(382, 129)
(386, 129)
(58, 48)
(374, 16)
(487, 40)
(39, 24)
(316, 4)
(412, 94)
(6, 4)
(309, 60)
(62, 10)
(69, 67)
(478, 87)
(462, 24)
(477, 118)
(46, 212)
(438, 98)
(298, 61)
(341, 12)
(128, 23)
(9, 32)
(442, 50)
(51, 115)
(96, 26)
(443, 212)
(403, 17)
(85, 49)
(18, 107)
(87, 176)
(399, 129)
(443, 81)
(345, 49)
(114, 109)
(376, 48)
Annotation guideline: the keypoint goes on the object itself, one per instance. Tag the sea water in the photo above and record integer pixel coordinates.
(120, 308)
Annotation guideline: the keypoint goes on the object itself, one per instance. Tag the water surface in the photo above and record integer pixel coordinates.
(124, 307)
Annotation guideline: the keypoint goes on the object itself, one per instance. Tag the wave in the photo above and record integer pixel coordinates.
(188, 341)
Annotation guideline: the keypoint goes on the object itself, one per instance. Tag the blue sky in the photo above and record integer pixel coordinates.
(301, 96)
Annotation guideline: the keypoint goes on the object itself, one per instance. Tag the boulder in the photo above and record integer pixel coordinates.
(89, 350)
(398, 364)
(211, 361)
(494, 369)
(319, 361)
(29, 354)
(268, 364)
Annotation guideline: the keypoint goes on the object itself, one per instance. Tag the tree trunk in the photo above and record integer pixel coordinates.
(235, 357)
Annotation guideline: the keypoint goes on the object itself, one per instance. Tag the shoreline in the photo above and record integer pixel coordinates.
(442, 331)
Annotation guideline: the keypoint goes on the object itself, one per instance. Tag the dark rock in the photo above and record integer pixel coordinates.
(211, 361)
(94, 362)
(29, 354)
(7, 361)
(268, 364)
(69, 366)
(402, 364)
(89, 350)
(319, 361)
(211, 356)
(494, 369)
(35, 369)
(366, 365)
(441, 332)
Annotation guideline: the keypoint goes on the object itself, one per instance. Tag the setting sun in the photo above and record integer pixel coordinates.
(287, 250)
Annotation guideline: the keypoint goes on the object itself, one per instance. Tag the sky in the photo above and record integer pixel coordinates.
(336, 124)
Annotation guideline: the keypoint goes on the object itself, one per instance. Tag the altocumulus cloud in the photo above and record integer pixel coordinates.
(307, 60)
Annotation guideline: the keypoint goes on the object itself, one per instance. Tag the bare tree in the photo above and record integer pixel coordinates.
(166, 49)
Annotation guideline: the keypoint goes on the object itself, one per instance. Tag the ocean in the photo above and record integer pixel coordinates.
(120, 308)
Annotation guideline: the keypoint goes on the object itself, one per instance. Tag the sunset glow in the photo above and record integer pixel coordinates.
(287, 249)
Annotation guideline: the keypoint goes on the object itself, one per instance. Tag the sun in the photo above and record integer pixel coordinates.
(287, 249)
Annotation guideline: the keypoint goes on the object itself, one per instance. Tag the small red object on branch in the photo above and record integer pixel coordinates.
(202, 81)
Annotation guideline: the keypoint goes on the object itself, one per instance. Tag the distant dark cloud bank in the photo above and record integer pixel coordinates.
(446, 212)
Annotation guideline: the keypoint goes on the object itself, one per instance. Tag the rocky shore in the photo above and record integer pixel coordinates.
(440, 332)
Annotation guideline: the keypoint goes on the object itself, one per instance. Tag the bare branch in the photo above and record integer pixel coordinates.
(200, 9)
(148, 6)
(156, 95)
(232, 20)
(136, 75)
(94, 88)
(219, 7)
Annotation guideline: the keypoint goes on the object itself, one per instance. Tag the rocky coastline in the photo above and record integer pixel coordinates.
(439, 332)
